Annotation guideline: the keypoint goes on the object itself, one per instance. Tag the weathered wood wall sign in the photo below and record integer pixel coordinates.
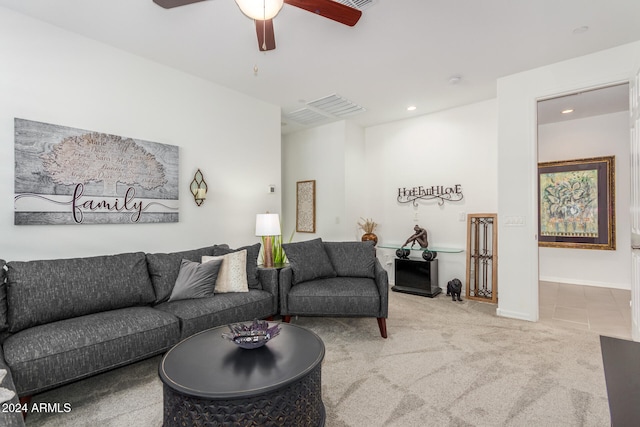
(73, 176)
(440, 193)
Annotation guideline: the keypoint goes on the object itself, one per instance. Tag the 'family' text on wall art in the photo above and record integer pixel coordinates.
(73, 176)
(435, 192)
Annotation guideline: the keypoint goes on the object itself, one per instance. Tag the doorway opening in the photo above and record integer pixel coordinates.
(586, 288)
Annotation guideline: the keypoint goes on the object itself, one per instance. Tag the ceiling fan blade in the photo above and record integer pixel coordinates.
(329, 9)
(266, 35)
(168, 4)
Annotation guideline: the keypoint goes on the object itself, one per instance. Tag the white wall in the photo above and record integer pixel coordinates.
(605, 135)
(456, 146)
(517, 163)
(358, 174)
(53, 76)
(316, 154)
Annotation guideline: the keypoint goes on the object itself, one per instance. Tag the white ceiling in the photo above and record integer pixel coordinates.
(401, 53)
(605, 100)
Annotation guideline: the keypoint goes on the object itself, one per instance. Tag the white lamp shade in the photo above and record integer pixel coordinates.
(260, 9)
(267, 225)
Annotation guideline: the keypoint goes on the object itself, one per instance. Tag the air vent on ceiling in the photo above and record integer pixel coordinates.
(306, 116)
(336, 106)
(358, 4)
(325, 109)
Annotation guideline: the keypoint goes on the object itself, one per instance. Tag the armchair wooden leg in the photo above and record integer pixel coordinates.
(382, 324)
(286, 319)
(25, 402)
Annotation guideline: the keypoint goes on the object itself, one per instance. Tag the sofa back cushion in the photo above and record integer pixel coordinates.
(40, 292)
(308, 260)
(3, 296)
(352, 259)
(164, 269)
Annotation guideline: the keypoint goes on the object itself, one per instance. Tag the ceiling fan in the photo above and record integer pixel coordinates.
(263, 11)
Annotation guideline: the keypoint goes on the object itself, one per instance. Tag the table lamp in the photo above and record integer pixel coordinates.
(267, 225)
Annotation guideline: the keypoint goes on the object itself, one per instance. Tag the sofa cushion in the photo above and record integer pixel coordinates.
(3, 296)
(40, 292)
(195, 280)
(352, 259)
(196, 315)
(252, 261)
(61, 352)
(308, 260)
(164, 269)
(338, 296)
(233, 273)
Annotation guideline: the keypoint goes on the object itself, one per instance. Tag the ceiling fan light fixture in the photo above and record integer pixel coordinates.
(260, 10)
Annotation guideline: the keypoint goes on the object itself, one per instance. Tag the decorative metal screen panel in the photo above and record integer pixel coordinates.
(482, 261)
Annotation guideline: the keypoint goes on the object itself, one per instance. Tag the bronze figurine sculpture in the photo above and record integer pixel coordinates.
(419, 237)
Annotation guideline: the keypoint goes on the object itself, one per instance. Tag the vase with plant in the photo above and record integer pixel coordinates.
(279, 257)
(368, 226)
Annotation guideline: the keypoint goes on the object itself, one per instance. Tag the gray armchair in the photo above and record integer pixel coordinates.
(334, 279)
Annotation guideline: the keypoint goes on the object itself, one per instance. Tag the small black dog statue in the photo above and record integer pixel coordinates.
(454, 287)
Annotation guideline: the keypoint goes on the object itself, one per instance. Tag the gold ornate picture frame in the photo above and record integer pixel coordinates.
(306, 206)
(576, 205)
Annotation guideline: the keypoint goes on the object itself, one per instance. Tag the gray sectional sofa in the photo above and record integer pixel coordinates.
(67, 319)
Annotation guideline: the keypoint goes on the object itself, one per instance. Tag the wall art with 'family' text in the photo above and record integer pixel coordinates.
(65, 175)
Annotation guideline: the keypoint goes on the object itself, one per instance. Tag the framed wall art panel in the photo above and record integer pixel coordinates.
(66, 175)
(306, 206)
(576, 206)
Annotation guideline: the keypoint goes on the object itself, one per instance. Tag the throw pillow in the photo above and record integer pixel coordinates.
(352, 259)
(308, 260)
(232, 276)
(5, 394)
(252, 261)
(195, 280)
(164, 269)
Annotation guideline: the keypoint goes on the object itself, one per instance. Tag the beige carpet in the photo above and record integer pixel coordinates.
(444, 364)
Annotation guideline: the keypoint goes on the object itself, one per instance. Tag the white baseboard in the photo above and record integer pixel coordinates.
(584, 282)
(514, 315)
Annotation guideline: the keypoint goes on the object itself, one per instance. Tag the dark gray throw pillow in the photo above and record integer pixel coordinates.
(164, 269)
(352, 259)
(308, 260)
(195, 280)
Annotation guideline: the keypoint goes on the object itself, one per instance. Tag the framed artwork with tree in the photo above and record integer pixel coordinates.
(576, 206)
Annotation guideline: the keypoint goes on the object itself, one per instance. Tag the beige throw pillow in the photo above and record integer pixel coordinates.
(232, 276)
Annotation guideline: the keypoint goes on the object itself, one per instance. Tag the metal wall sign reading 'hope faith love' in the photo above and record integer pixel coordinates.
(436, 192)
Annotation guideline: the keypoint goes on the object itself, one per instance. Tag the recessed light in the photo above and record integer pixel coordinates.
(581, 30)
(411, 108)
(567, 111)
(454, 80)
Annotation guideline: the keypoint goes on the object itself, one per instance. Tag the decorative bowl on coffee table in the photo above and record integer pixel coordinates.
(253, 335)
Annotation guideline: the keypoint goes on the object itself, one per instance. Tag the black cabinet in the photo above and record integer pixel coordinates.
(417, 277)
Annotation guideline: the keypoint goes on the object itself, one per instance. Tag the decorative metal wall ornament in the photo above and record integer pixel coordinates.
(65, 175)
(441, 193)
(198, 188)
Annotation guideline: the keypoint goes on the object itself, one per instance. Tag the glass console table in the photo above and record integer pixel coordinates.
(428, 254)
(414, 276)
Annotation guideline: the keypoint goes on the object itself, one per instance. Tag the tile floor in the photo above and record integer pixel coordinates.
(602, 310)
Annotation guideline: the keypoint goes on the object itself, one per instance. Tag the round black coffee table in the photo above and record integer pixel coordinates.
(208, 380)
